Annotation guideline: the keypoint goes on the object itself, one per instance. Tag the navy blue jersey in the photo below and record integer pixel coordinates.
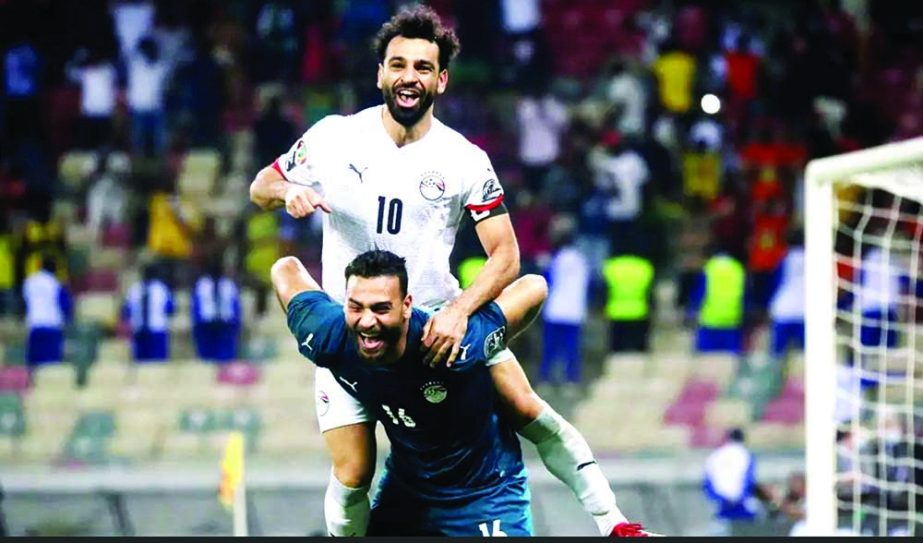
(447, 440)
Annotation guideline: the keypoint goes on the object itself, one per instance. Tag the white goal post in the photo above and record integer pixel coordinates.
(897, 168)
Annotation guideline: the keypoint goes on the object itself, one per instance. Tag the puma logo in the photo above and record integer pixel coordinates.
(357, 171)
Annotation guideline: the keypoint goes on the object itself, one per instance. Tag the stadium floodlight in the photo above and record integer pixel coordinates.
(864, 341)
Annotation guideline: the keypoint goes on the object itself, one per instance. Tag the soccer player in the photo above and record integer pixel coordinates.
(394, 177)
(455, 466)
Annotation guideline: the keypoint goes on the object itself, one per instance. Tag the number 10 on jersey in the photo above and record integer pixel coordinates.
(389, 215)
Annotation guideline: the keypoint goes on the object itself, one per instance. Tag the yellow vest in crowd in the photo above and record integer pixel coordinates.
(629, 278)
(171, 225)
(262, 244)
(722, 306)
(44, 239)
(7, 262)
(469, 269)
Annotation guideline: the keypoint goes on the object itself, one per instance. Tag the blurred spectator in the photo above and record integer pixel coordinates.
(148, 74)
(216, 317)
(271, 132)
(628, 97)
(565, 310)
(531, 219)
(718, 302)
(767, 248)
(675, 70)
(132, 20)
(7, 266)
(262, 249)
(693, 237)
(44, 238)
(742, 68)
(731, 483)
(542, 121)
(107, 198)
(792, 504)
(701, 171)
(23, 78)
(48, 309)
(173, 223)
(95, 73)
(787, 300)
(148, 307)
(629, 277)
(622, 173)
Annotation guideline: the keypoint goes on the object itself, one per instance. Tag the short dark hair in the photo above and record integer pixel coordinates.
(377, 263)
(418, 22)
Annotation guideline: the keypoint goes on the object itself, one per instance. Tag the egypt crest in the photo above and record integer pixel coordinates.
(434, 392)
(432, 186)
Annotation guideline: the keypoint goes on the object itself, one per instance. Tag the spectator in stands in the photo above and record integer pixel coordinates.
(148, 307)
(96, 75)
(675, 70)
(216, 315)
(7, 265)
(629, 277)
(277, 43)
(148, 74)
(48, 309)
(717, 302)
(173, 224)
(701, 171)
(792, 504)
(731, 483)
(622, 173)
(23, 65)
(628, 98)
(565, 310)
(261, 250)
(542, 121)
(132, 20)
(787, 300)
(767, 249)
(107, 197)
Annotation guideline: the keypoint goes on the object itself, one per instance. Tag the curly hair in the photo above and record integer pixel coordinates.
(418, 22)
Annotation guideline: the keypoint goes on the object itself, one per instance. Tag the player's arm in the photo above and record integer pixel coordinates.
(494, 325)
(289, 279)
(443, 333)
(271, 190)
(521, 302)
(315, 320)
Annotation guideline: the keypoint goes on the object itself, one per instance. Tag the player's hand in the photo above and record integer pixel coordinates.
(442, 336)
(301, 201)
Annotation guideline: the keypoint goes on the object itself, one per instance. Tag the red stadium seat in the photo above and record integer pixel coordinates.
(239, 374)
(14, 379)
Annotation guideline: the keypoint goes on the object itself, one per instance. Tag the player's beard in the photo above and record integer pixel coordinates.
(408, 117)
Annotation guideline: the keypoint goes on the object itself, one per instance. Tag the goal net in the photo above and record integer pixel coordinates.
(864, 341)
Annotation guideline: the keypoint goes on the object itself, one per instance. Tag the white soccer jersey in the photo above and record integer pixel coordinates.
(408, 200)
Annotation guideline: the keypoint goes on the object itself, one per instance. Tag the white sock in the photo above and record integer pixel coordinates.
(346, 509)
(568, 457)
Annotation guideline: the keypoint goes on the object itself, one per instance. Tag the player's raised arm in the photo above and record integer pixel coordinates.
(290, 278)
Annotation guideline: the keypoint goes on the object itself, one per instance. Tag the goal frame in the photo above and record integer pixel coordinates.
(820, 314)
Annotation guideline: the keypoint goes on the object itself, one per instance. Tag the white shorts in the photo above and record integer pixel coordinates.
(337, 408)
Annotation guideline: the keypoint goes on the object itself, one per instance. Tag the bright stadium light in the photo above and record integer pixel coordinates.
(710, 104)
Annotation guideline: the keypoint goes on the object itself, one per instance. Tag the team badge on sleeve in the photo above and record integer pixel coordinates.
(299, 156)
(490, 191)
(432, 186)
(493, 344)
